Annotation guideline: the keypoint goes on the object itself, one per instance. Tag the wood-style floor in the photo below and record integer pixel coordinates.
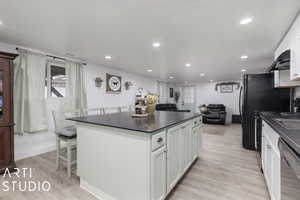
(225, 171)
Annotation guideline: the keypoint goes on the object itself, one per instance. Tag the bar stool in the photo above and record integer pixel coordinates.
(128, 108)
(111, 110)
(65, 132)
(92, 111)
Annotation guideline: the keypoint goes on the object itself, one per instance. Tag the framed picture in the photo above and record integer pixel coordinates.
(171, 92)
(226, 88)
(113, 84)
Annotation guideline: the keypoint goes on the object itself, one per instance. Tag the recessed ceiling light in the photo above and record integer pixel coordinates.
(246, 20)
(202, 74)
(244, 57)
(211, 80)
(243, 70)
(156, 44)
(171, 77)
(149, 70)
(187, 65)
(1, 23)
(108, 57)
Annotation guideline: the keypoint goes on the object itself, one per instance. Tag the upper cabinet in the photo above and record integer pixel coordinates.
(295, 50)
(292, 41)
(284, 45)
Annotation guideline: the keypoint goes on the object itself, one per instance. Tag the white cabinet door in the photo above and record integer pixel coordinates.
(184, 143)
(158, 174)
(189, 147)
(276, 185)
(185, 147)
(174, 156)
(200, 134)
(263, 153)
(195, 142)
(295, 59)
(180, 152)
(271, 162)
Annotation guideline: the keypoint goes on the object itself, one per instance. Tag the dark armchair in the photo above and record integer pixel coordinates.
(169, 107)
(216, 114)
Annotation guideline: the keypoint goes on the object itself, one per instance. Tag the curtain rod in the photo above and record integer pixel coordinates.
(55, 57)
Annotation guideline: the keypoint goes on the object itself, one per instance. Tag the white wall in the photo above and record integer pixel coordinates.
(206, 94)
(28, 145)
(97, 97)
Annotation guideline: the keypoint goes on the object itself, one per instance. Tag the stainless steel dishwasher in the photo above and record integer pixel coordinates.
(290, 172)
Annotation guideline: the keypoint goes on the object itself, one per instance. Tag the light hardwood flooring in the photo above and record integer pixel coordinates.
(224, 171)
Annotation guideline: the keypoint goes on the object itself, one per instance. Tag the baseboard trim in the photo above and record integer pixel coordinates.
(94, 191)
(34, 152)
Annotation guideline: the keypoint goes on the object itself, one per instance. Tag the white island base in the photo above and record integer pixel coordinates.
(119, 164)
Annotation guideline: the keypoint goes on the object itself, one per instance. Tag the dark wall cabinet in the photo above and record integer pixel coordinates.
(6, 112)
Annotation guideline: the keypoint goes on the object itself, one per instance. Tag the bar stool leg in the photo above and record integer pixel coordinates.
(69, 158)
(57, 152)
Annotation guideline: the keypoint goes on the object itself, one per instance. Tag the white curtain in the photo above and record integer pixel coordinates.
(29, 92)
(75, 93)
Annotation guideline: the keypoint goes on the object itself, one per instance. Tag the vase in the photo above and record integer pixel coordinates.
(151, 109)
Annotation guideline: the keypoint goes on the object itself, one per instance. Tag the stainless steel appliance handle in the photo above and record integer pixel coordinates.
(290, 157)
(240, 101)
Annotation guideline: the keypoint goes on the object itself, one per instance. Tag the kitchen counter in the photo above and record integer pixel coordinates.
(290, 136)
(151, 124)
(124, 158)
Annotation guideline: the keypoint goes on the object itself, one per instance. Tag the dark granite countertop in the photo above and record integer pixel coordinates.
(151, 124)
(290, 136)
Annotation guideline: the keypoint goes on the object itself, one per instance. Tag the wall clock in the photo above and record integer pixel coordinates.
(113, 83)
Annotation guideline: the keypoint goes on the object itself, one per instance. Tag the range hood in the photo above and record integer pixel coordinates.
(281, 70)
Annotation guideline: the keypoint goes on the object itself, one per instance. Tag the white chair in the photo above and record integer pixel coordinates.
(111, 110)
(66, 132)
(92, 111)
(126, 108)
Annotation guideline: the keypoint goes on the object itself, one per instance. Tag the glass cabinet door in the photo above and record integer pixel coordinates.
(1, 95)
(5, 92)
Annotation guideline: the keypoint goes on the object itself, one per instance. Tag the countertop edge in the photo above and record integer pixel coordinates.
(280, 130)
(138, 130)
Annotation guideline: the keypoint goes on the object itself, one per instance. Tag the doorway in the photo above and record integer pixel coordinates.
(188, 98)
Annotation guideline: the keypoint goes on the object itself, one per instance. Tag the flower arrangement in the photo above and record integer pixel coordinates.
(152, 100)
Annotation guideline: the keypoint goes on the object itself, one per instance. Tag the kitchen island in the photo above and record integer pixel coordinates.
(125, 158)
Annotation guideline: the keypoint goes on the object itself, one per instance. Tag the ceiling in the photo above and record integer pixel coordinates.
(204, 33)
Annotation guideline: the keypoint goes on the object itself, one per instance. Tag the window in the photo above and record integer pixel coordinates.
(56, 80)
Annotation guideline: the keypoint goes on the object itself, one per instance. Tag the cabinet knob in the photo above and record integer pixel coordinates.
(159, 140)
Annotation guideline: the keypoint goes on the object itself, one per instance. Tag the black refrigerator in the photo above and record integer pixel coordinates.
(258, 94)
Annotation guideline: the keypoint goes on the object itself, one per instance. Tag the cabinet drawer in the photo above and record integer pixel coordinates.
(197, 121)
(158, 140)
